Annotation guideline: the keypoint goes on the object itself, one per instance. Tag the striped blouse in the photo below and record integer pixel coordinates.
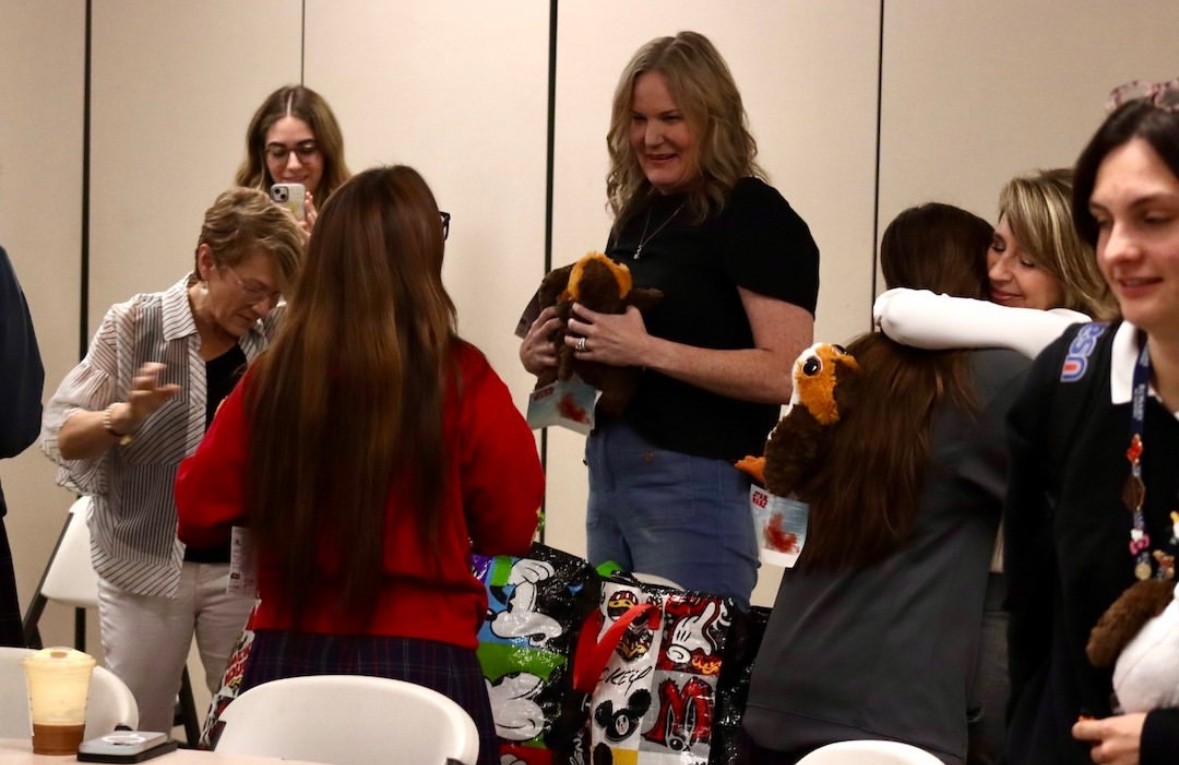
(133, 525)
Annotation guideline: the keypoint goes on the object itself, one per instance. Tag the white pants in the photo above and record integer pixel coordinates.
(147, 639)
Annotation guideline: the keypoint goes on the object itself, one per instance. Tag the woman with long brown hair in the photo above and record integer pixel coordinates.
(1042, 277)
(369, 453)
(875, 633)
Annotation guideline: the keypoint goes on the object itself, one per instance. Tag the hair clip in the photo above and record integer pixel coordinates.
(1162, 95)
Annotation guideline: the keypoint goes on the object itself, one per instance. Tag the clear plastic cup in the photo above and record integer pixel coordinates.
(59, 683)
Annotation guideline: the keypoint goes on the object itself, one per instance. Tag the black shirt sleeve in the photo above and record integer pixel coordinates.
(23, 376)
(1029, 562)
(769, 247)
(1160, 738)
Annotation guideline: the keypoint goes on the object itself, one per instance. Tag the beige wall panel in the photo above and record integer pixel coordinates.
(457, 90)
(174, 85)
(976, 93)
(807, 74)
(41, 79)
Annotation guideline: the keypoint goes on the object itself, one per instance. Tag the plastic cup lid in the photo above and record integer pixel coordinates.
(59, 656)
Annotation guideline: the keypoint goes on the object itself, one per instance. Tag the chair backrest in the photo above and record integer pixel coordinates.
(349, 720)
(110, 703)
(71, 579)
(869, 753)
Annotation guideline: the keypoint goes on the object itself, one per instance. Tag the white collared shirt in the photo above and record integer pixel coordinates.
(133, 525)
(1123, 357)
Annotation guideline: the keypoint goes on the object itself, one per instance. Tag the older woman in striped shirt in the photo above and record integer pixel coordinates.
(137, 404)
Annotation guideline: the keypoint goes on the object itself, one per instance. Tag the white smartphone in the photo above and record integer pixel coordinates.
(292, 196)
(126, 746)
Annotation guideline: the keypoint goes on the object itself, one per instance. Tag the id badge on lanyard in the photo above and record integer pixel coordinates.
(243, 564)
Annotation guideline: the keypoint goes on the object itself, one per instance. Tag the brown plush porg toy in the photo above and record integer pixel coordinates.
(601, 285)
(820, 397)
(1139, 636)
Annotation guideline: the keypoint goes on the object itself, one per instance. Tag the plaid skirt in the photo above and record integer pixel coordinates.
(452, 671)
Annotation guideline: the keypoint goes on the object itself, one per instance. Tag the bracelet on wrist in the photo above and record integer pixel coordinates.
(108, 426)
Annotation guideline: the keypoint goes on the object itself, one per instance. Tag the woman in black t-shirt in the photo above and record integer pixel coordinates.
(739, 274)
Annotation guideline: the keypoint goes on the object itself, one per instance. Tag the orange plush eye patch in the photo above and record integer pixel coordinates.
(621, 275)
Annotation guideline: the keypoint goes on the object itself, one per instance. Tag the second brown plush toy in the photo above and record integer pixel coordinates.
(822, 393)
(604, 286)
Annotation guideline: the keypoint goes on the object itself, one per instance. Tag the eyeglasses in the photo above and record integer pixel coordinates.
(445, 224)
(254, 292)
(1162, 95)
(304, 150)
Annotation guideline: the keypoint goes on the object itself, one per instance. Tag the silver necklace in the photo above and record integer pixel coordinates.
(643, 238)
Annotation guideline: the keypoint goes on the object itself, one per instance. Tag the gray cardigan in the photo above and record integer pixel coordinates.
(889, 651)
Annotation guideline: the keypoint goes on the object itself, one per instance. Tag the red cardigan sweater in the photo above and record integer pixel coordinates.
(493, 492)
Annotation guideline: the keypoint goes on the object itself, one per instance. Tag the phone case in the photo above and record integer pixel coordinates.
(126, 746)
(291, 196)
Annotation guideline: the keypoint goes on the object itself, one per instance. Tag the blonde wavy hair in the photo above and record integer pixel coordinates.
(702, 86)
(1038, 207)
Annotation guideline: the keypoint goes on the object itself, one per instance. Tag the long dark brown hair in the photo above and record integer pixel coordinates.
(866, 491)
(348, 399)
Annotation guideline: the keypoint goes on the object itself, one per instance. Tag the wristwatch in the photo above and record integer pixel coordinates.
(108, 426)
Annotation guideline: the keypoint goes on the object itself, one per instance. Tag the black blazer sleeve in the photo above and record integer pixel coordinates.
(1029, 561)
(21, 373)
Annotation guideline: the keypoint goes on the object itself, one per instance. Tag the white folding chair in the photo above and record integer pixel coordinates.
(869, 753)
(70, 579)
(110, 702)
(348, 720)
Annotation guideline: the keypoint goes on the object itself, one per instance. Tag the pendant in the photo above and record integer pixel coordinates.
(1134, 452)
(1142, 571)
(1133, 493)
(1166, 565)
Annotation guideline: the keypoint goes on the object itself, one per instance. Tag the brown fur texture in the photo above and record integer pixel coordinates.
(604, 286)
(1140, 603)
(821, 394)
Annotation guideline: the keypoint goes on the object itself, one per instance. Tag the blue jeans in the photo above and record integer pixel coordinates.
(661, 512)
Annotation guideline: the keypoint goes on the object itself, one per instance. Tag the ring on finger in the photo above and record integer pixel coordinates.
(580, 347)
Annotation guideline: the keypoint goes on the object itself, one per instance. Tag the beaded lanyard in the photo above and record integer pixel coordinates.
(1135, 492)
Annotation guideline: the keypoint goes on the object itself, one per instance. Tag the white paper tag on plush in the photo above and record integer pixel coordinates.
(567, 403)
(780, 524)
(243, 565)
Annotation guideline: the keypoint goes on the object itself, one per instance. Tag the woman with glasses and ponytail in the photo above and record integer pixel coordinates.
(1094, 438)
(138, 403)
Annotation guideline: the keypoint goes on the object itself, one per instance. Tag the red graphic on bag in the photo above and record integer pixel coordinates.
(685, 715)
